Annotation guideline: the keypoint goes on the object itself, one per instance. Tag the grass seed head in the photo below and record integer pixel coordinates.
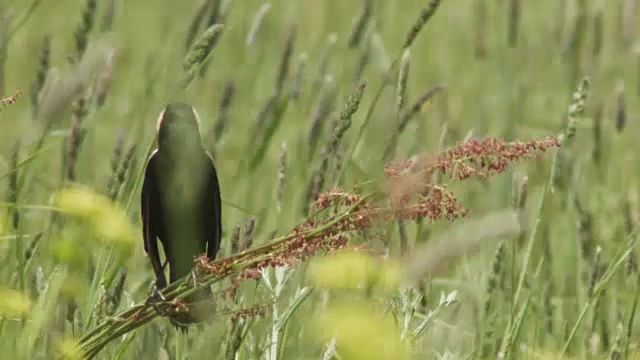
(199, 52)
(621, 111)
(257, 22)
(81, 35)
(296, 87)
(425, 15)
(360, 24)
(285, 59)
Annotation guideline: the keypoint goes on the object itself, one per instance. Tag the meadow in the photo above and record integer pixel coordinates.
(417, 179)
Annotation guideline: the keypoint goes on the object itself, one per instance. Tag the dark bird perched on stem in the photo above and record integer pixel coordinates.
(181, 205)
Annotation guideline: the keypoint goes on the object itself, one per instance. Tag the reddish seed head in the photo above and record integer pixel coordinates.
(413, 195)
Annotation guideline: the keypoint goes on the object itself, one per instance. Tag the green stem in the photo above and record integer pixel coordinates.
(139, 315)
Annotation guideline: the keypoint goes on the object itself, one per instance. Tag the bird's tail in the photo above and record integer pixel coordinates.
(200, 309)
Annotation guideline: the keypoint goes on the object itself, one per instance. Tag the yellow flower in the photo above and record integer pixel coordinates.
(69, 349)
(352, 270)
(13, 303)
(361, 331)
(79, 201)
(109, 222)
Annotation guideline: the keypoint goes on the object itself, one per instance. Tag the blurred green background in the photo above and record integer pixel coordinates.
(496, 84)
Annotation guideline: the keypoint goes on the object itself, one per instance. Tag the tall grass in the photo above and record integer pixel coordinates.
(416, 179)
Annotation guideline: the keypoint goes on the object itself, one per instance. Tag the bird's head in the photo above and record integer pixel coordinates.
(178, 127)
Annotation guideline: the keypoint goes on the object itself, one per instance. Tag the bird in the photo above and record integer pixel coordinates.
(180, 205)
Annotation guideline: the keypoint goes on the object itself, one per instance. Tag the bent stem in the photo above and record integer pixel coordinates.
(136, 316)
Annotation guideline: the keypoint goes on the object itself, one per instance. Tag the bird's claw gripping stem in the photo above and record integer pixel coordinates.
(156, 298)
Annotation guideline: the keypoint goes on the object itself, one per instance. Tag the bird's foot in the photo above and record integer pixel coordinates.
(156, 298)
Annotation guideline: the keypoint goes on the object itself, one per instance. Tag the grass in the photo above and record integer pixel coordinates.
(303, 101)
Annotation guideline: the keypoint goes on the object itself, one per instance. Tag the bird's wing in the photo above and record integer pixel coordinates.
(150, 208)
(214, 212)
